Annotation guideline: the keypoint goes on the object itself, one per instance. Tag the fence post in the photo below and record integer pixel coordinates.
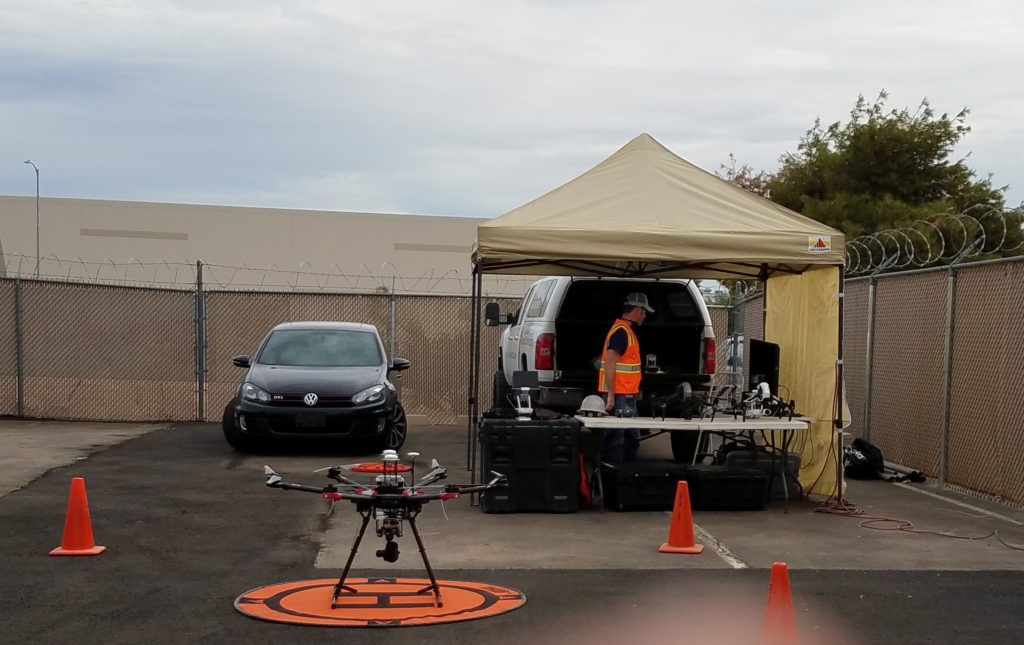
(947, 368)
(19, 343)
(392, 322)
(200, 346)
(869, 358)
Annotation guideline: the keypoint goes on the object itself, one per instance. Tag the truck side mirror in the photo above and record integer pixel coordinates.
(492, 315)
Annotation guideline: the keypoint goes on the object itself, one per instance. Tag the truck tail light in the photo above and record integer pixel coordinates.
(709, 356)
(544, 359)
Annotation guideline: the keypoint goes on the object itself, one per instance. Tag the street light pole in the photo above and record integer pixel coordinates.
(29, 162)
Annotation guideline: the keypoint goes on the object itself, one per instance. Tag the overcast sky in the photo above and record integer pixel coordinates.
(466, 107)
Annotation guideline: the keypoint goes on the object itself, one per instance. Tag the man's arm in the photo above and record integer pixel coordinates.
(611, 360)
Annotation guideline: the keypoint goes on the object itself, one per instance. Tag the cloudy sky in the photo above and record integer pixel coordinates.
(466, 107)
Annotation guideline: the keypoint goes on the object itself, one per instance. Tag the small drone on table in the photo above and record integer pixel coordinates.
(391, 502)
(759, 402)
(684, 403)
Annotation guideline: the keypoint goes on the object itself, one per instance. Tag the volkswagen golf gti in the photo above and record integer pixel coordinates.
(318, 380)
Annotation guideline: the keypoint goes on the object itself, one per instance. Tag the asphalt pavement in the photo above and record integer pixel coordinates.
(189, 526)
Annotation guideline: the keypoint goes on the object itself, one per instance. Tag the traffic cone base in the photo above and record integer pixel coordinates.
(680, 532)
(693, 550)
(96, 550)
(78, 538)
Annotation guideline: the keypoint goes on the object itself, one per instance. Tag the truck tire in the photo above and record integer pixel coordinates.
(501, 391)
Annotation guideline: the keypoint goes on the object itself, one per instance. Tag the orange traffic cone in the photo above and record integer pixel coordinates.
(77, 526)
(779, 618)
(680, 532)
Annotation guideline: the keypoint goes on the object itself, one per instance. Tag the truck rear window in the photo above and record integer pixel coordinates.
(602, 300)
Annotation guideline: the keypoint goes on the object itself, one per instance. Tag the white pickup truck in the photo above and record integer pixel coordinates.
(561, 325)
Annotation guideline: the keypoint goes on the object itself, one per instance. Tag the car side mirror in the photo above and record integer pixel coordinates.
(400, 364)
(241, 361)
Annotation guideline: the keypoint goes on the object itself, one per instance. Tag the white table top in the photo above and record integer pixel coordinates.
(724, 424)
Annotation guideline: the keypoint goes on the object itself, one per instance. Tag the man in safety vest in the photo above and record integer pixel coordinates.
(619, 378)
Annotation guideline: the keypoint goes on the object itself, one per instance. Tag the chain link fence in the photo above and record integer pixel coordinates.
(986, 411)
(908, 369)
(119, 353)
(855, 363)
(105, 353)
(8, 348)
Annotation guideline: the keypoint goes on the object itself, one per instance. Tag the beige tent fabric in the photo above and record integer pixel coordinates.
(644, 210)
(803, 318)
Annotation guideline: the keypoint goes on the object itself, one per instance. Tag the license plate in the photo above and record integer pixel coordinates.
(310, 420)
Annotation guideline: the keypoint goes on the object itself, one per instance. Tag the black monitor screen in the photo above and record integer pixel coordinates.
(764, 365)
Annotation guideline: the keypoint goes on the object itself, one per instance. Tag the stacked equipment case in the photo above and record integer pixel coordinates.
(540, 458)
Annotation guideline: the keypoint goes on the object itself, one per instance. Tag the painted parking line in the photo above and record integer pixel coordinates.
(957, 502)
(712, 543)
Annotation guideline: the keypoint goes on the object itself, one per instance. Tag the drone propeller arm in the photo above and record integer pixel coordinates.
(454, 490)
(290, 486)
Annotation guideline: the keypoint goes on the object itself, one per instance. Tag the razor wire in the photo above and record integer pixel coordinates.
(941, 239)
(305, 277)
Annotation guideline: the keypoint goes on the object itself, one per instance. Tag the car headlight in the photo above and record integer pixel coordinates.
(252, 393)
(369, 395)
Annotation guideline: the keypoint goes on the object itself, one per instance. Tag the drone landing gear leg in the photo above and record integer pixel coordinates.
(430, 572)
(341, 586)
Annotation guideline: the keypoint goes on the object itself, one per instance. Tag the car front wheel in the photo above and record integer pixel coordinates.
(395, 429)
(234, 436)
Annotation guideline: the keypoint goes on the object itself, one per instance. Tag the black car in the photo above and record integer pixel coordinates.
(325, 380)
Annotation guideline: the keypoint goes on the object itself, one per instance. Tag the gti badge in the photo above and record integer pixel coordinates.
(311, 398)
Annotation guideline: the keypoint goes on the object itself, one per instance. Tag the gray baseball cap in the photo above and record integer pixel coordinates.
(638, 300)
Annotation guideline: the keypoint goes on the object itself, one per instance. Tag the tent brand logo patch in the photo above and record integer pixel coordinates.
(819, 243)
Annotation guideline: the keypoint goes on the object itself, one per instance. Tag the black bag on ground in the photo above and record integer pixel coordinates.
(863, 460)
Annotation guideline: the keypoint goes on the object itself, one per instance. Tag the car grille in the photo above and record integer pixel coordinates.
(297, 400)
(339, 426)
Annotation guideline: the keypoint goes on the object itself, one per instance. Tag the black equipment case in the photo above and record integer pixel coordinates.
(718, 488)
(540, 458)
(640, 485)
(770, 463)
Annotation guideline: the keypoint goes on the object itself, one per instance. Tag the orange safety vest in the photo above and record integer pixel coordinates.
(627, 369)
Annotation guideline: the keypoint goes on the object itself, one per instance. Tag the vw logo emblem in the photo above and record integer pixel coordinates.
(311, 398)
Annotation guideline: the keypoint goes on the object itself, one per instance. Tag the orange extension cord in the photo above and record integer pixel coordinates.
(844, 508)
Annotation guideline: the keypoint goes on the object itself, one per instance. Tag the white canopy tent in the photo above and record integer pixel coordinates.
(645, 212)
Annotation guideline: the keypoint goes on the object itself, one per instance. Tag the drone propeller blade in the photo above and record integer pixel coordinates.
(339, 467)
(273, 479)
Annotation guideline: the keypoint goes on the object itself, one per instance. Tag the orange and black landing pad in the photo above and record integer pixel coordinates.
(380, 602)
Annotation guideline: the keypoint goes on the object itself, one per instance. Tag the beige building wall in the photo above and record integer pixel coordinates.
(113, 240)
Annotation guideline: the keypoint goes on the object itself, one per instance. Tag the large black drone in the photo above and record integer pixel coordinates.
(390, 502)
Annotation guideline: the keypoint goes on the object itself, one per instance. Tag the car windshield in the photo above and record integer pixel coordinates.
(321, 348)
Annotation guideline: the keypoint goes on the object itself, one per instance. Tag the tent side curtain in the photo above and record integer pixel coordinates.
(802, 317)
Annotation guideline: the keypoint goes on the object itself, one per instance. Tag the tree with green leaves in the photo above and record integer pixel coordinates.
(883, 169)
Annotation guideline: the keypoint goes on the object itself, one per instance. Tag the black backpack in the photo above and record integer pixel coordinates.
(863, 460)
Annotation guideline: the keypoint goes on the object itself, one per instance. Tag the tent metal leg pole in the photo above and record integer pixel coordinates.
(475, 398)
(473, 330)
(763, 279)
(840, 484)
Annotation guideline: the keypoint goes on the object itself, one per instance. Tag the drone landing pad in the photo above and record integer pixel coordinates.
(380, 602)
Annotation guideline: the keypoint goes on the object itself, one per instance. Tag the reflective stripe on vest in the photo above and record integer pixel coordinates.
(628, 368)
